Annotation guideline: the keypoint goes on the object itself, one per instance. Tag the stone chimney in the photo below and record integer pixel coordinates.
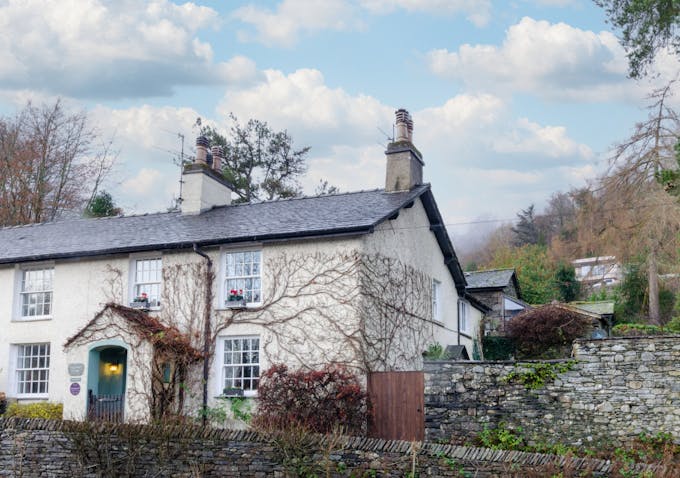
(404, 161)
(204, 187)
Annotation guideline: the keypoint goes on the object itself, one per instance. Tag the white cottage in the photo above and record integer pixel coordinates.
(125, 316)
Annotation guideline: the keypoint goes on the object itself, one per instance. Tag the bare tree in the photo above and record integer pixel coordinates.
(639, 216)
(50, 163)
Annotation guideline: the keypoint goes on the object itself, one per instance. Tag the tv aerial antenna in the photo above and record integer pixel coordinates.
(390, 139)
(178, 159)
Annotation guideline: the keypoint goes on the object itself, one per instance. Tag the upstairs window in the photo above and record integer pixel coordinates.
(243, 275)
(148, 273)
(36, 292)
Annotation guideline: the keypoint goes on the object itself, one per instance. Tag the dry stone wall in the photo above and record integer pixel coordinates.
(616, 389)
(40, 448)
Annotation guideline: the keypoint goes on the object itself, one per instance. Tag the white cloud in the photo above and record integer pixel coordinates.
(143, 183)
(549, 141)
(302, 103)
(555, 61)
(477, 153)
(93, 48)
(555, 3)
(283, 26)
(291, 19)
(478, 11)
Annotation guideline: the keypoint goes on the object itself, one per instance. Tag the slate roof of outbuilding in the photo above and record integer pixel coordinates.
(491, 279)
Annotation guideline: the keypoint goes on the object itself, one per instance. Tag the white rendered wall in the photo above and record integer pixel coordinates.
(409, 239)
(81, 290)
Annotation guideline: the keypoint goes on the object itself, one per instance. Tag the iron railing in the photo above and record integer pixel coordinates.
(108, 408)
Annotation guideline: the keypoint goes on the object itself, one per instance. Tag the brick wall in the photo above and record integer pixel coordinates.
(617, 389)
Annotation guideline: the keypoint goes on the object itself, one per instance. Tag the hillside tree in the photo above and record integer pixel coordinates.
(639, 217)
(647, 27)
(526, 231)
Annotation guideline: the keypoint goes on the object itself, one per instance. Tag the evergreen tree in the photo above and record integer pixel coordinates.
(526, 231)
(566, 283)
(102, 205)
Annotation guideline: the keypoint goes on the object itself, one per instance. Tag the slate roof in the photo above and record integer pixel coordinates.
(492, 279)
(603, 307)
(308, 217)
(322, 215)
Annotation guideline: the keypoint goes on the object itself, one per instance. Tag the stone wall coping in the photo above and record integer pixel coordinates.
(632, 337)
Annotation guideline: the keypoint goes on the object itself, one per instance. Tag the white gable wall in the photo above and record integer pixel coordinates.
(409, 239)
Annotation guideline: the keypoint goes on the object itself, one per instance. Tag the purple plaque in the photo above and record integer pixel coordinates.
(75, 388)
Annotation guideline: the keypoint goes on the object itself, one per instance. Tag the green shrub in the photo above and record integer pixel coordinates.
(434, 351)
(498, 348)
(47, 410)
(633, 330)
(673, 325)
(501, 438)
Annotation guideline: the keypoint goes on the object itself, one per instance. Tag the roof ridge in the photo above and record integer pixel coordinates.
(298, 198)
(81, 219)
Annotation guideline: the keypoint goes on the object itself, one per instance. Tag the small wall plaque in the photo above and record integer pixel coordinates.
(75, 388)
(76, 369)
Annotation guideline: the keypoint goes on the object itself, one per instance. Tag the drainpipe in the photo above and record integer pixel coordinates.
(206, 329)
(458, 319)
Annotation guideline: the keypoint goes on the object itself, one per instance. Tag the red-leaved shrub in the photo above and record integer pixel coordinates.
(547, 331)
(318, 400)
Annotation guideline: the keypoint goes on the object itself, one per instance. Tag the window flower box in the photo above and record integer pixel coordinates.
(231, 392)
(235, 300)
(141, 302)
(236, 304)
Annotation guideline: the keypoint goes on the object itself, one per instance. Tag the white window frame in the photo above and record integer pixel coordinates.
(436, 300)
(463, 316)
(16, 367)
(19, 295)
(134, 258)
(223, 365)
(224, 290)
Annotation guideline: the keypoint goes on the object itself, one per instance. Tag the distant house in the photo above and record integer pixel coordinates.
(115, 316)
(499, 290)
(597, 272)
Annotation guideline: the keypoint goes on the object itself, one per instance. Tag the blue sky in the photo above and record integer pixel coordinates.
(512, 100)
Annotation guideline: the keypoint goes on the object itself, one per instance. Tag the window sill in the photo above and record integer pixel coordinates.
(249, 305)
(246, 394)
(32, 319)
(38, 396)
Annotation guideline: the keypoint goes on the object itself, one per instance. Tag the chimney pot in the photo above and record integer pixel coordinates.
(202, 144)
(404, 126)
(217, 155)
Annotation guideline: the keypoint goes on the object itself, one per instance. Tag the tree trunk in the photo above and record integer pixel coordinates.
(653, 279)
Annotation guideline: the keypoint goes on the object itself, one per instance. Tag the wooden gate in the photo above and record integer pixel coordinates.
(398, 405)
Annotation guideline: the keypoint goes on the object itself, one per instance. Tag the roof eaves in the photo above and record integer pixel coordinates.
(439, 229)
(325, 233)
